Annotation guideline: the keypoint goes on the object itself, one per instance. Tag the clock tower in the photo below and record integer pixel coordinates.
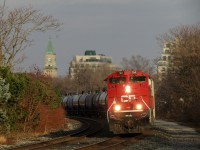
(50, 68)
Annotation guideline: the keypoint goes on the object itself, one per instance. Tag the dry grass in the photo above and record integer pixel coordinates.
(3, 139)
(17, 137)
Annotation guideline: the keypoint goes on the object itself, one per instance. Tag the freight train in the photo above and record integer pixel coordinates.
(128, 104)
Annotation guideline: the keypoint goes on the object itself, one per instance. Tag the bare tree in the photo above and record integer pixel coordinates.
(86, 79)
(138, 63)
(99, 75)
(16, 26)
(125, 63)
(82, 78)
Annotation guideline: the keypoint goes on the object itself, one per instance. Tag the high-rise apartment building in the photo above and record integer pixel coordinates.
(165, 62)
(50, 68)
(90, 60)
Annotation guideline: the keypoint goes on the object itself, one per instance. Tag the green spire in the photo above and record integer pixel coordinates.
(50, 49)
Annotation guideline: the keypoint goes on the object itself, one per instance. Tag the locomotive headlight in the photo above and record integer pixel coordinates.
(117, 107)
(127, 89)
(138, 106)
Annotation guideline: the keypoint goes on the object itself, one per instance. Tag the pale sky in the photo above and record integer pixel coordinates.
(116, 28)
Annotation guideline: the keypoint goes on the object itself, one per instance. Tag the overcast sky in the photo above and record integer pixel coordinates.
(117, 28)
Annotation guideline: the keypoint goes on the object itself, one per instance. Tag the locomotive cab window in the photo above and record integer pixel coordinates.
(120, 80)
(137, 79)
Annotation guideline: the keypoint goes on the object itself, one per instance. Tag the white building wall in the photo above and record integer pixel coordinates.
(165, 61)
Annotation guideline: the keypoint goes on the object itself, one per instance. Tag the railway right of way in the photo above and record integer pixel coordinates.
(163, 135)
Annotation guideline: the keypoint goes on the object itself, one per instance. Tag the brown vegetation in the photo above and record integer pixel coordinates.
(50, 120)
(2, 139)
(178, 95)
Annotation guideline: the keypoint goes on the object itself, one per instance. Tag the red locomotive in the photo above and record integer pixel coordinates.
(130, 102)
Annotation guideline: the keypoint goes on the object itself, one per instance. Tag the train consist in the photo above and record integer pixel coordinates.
(128, 104)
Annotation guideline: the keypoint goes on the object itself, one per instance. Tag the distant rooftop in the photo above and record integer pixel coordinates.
(50, 49)
(90, 52)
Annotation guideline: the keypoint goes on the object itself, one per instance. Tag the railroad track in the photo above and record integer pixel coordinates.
(86, 138)
(89, 127)
(114, 143)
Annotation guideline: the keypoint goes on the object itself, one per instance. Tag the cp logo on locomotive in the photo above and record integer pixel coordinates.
(127, 98)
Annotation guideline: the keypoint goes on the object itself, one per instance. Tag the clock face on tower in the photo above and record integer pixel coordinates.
(49, 59)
